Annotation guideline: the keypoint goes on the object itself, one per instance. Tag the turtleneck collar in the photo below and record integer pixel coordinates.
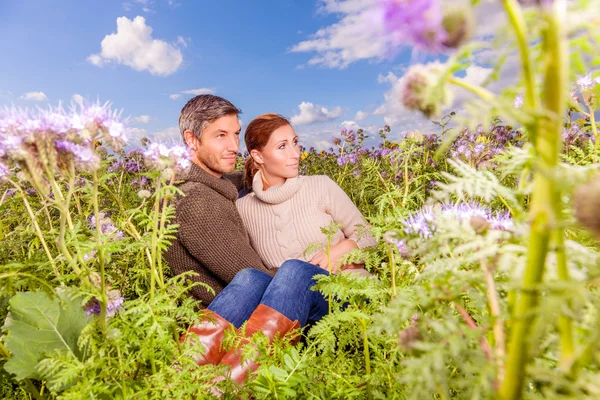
(276, 194)
(221, 185)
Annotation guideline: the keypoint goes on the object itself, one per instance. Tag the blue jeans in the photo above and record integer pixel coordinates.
(287, 292)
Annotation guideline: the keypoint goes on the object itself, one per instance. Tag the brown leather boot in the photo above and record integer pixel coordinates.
(209, 332)
(268, 321)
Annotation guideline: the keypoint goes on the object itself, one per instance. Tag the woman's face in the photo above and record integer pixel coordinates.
(280, 156)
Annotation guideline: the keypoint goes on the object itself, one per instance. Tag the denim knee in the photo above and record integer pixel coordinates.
(291, 269)
(249, 276)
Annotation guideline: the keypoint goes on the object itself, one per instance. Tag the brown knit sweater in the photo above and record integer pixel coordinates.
(211, 239)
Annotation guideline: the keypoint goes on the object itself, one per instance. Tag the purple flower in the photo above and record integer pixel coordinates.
(106, 226)
(113, 304)
(391, 238)
(342, 160)
(416, 22)
(518, 103)
(353, 158)
(356, 172)
(423, 222)
(83, 156)
(4, 173)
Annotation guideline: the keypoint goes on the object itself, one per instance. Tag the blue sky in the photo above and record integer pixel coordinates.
(305, 59)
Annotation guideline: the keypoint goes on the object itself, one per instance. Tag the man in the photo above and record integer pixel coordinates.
(211, 239)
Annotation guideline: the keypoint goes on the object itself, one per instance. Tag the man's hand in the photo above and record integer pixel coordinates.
(336, 252)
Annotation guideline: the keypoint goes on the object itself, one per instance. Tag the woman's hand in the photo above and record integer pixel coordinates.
(336, 252)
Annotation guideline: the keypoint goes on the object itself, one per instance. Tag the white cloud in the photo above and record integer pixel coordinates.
(77, 98)
(359, 35)
(360, 115)
(350, 125)
(133, 45)
(174, 96)
(169, 136)
(182, 41)
(199, 91)
(96, 60)
(309, 114)
(142, 119)
(35, 96)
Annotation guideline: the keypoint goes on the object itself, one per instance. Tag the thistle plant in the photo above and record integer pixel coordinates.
(545, 99)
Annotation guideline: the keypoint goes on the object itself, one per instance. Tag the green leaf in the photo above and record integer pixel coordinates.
(38, 325)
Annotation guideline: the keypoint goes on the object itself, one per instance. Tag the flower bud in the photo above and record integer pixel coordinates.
(479, 224)
(458, 24)
(586, 201)
(419, 91)
(144, 194)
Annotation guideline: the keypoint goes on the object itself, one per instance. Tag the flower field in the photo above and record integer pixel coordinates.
(487, 265)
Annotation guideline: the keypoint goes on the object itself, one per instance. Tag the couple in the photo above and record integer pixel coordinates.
(251, 250)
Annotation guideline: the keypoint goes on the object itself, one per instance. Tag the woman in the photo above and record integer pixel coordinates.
(283, 216)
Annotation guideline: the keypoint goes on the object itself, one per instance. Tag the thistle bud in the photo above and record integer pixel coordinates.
(418, 93)
(409, 336)
(586, 202)
(458, 24)
(479, 224)
(144, 194)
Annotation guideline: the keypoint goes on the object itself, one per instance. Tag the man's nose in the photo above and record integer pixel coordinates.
(233, 144)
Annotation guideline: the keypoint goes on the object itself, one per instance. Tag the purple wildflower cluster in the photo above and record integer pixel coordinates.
(106, 226)
(114, 304)
(478, 148)
(423, 222)
(56, 137)
(351, 158)
(167, 160)
(576, 135)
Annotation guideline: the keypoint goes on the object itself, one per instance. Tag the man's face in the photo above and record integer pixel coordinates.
(217, 150)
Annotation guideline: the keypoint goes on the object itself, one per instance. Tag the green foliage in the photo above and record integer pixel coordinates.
(38, 325)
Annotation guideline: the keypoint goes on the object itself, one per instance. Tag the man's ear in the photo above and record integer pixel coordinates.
(190, 139)
(258, 158)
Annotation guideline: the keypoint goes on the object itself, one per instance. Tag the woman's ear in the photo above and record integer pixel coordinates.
(258, 158)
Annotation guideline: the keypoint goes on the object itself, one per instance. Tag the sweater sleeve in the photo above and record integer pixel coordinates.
(219, 243)
(344, 212)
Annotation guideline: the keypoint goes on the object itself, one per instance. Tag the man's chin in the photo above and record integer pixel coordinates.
(227, 169)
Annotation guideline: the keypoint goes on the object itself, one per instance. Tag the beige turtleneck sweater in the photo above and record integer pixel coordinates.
(284, 220)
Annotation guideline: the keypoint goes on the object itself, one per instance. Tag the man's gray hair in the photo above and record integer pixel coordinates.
(201, 111)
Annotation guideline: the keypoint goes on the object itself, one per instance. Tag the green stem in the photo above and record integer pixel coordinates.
(406, 182)
(330, 267)
(366, 347)
(155, 213)
(30, 387)
(496, 314)
(517, 20)
(393, 269)
(38, 232)
(545, 198)
(565, 328)
(594, 130)
(476, 90)
(100, 249)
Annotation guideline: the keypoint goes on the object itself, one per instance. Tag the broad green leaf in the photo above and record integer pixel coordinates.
(38, 325)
